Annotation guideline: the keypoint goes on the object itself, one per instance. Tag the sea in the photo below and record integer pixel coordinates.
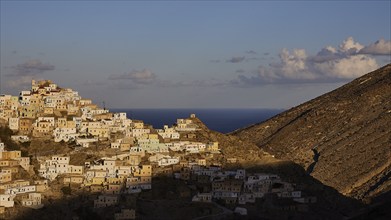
(221, 120)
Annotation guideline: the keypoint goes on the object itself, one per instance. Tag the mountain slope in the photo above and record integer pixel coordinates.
(330, 203)
(342, 138)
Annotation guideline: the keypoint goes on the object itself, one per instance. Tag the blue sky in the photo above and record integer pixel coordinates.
(195, 54)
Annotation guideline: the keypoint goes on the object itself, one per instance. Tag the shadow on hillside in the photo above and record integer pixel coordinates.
(329, 200)
(66, 208)
(166, 200)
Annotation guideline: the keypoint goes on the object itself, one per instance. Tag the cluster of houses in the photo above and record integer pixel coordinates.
(237, 187)
(111, 176)
(24, 191)
(53, 112)
(60, 114)
(48, 111)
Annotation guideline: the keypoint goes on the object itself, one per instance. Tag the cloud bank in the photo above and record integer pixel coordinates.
(349, 60)
(236, 59)
(22, 74)
(380, 47)
(31, 68)
(331, 64)
(139, 77)
(251, 52)
(23, 81)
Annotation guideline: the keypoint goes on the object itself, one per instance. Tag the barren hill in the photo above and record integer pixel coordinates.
(342, 138)
(330, 203)
(247, 154)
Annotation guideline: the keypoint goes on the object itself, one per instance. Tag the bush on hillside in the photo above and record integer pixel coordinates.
(5, 137)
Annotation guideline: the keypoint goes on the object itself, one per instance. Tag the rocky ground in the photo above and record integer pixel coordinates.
(342, 138)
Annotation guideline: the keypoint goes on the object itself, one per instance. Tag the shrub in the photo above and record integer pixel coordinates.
(5, 137)
(66, 190)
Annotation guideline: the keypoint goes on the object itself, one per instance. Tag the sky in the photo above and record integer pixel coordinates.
(193, 54)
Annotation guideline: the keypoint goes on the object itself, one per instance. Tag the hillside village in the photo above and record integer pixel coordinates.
(128, 156)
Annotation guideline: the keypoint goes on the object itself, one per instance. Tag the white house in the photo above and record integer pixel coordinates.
(34, 200)
(119, 116)
(167, 161)
(125, 214)
(24, 97)
(99, 111)
(24, 162)
(167, 132)
(156, 157)
(20, 138)
(136, 184)
(186, 125)
(137, 150)
(13, 124)
(240, 211)
(65, 134)
(50, 169)
(7, 200)
(246, 198)
(105, 201)
(47, 119)
(138, 132)
(20, 190)
(123, 170)
(85, 142)
(202, 197)
(116, 144)
(73, 169)
(240, 174)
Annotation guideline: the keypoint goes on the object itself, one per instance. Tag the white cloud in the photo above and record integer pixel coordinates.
(349, 46)
(347, 68)
(293, 65)
(380, 47)
(328, 65)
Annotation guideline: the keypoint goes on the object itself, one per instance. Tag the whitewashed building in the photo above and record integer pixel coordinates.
(7, 200)
(34, 200)
(167, 161)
